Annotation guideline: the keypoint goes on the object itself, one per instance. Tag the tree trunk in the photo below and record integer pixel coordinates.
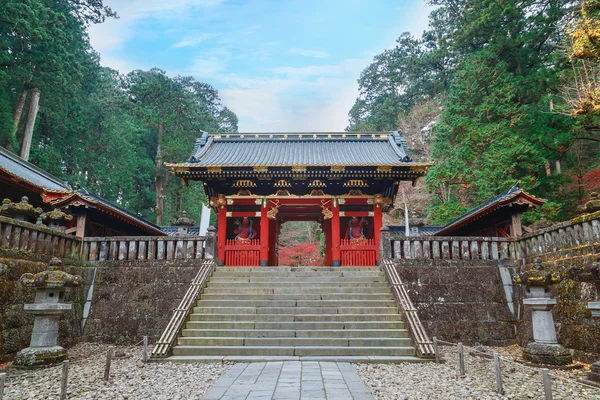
(160, 205)
(34, 106)
(19, 108)
(547, 167)
(558, 167)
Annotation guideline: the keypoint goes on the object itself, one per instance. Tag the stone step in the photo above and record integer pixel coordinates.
(244, 272)
(249, 359)
(296, 317)
(295, 303)
(296, 290)
(295, 310)
(305, 281)
(316, 296)
(314, 270)
(278, 333)
(296, 285)
(294, 341)
(295, 325)
(292, 351)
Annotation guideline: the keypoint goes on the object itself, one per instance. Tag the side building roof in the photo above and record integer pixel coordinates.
(513, 196)
(82, 197)
(25, 173)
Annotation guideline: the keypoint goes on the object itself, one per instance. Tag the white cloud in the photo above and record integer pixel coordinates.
(314, 97)
(108, 38)
(195, 39)
(309, 53)
(206, 67)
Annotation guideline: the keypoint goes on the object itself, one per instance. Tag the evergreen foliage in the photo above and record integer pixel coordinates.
(497, 68)
(95, 127)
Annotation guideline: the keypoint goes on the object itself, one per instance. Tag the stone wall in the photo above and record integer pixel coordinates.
(136, 298)
(130, 299)
(460, 300)
(575, 328)
(15, 325)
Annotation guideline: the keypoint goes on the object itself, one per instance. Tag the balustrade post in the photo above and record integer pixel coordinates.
(385, 244)
(211, 243)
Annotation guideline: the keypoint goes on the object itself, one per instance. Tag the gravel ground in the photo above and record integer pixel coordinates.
(129, 378)
(439, 381)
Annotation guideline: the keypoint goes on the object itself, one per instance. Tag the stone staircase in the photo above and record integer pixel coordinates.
(295, 313)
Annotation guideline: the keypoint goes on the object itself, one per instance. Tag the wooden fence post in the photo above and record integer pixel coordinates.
(107, 366)
(64, 380)
(461, 360)
(498, 369)
(145, 356)
(2, 377)
(547, 385)
(436, 350)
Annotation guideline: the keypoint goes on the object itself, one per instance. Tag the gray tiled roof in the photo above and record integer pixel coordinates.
(16, 166)
(425, 230)
(297, 149)
(454, 224)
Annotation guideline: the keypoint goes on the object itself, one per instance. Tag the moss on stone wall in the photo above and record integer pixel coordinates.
(575, 327)
(459, 300)
(15, 324)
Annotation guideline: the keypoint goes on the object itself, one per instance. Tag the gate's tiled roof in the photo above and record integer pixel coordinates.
(307, 149)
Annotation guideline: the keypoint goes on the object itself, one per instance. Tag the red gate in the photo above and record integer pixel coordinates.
(242, 253)
(358, 253)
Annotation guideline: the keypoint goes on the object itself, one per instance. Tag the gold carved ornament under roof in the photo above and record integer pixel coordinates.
(381, 201)
(282, 183)
(244, 183)
(355, 183)
(219, 201)
(317, 183)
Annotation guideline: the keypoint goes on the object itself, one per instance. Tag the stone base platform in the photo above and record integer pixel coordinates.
(31, 357)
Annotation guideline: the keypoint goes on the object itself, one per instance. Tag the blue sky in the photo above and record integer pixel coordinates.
(279, 65)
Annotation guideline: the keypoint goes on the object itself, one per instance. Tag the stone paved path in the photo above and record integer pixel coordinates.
(288, 380)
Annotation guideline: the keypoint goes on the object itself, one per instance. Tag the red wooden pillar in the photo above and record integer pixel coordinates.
(222, 234)
(264, 235)
(327, 231)
(377, 224)
(335, 234)
(272, 242)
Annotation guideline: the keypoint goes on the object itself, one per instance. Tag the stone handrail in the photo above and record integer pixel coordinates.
(34, 238)
(147, 248)
(450, 248)
(580, 231)
(423, 345)
(164, 345)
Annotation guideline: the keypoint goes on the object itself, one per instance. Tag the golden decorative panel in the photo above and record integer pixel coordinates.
(244, 183)
(355, 183)
(282, 183)
(317, 183)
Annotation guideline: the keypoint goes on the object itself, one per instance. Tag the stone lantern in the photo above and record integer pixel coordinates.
(53, 219)
(545, 348)
(183, 224)
(47, 309)
(592, 205)
(591, 274)
(21, 211)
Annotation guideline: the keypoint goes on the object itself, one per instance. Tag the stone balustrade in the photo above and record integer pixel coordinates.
(36, 238)
(144, 248)
(579, 232)
(450, 248)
